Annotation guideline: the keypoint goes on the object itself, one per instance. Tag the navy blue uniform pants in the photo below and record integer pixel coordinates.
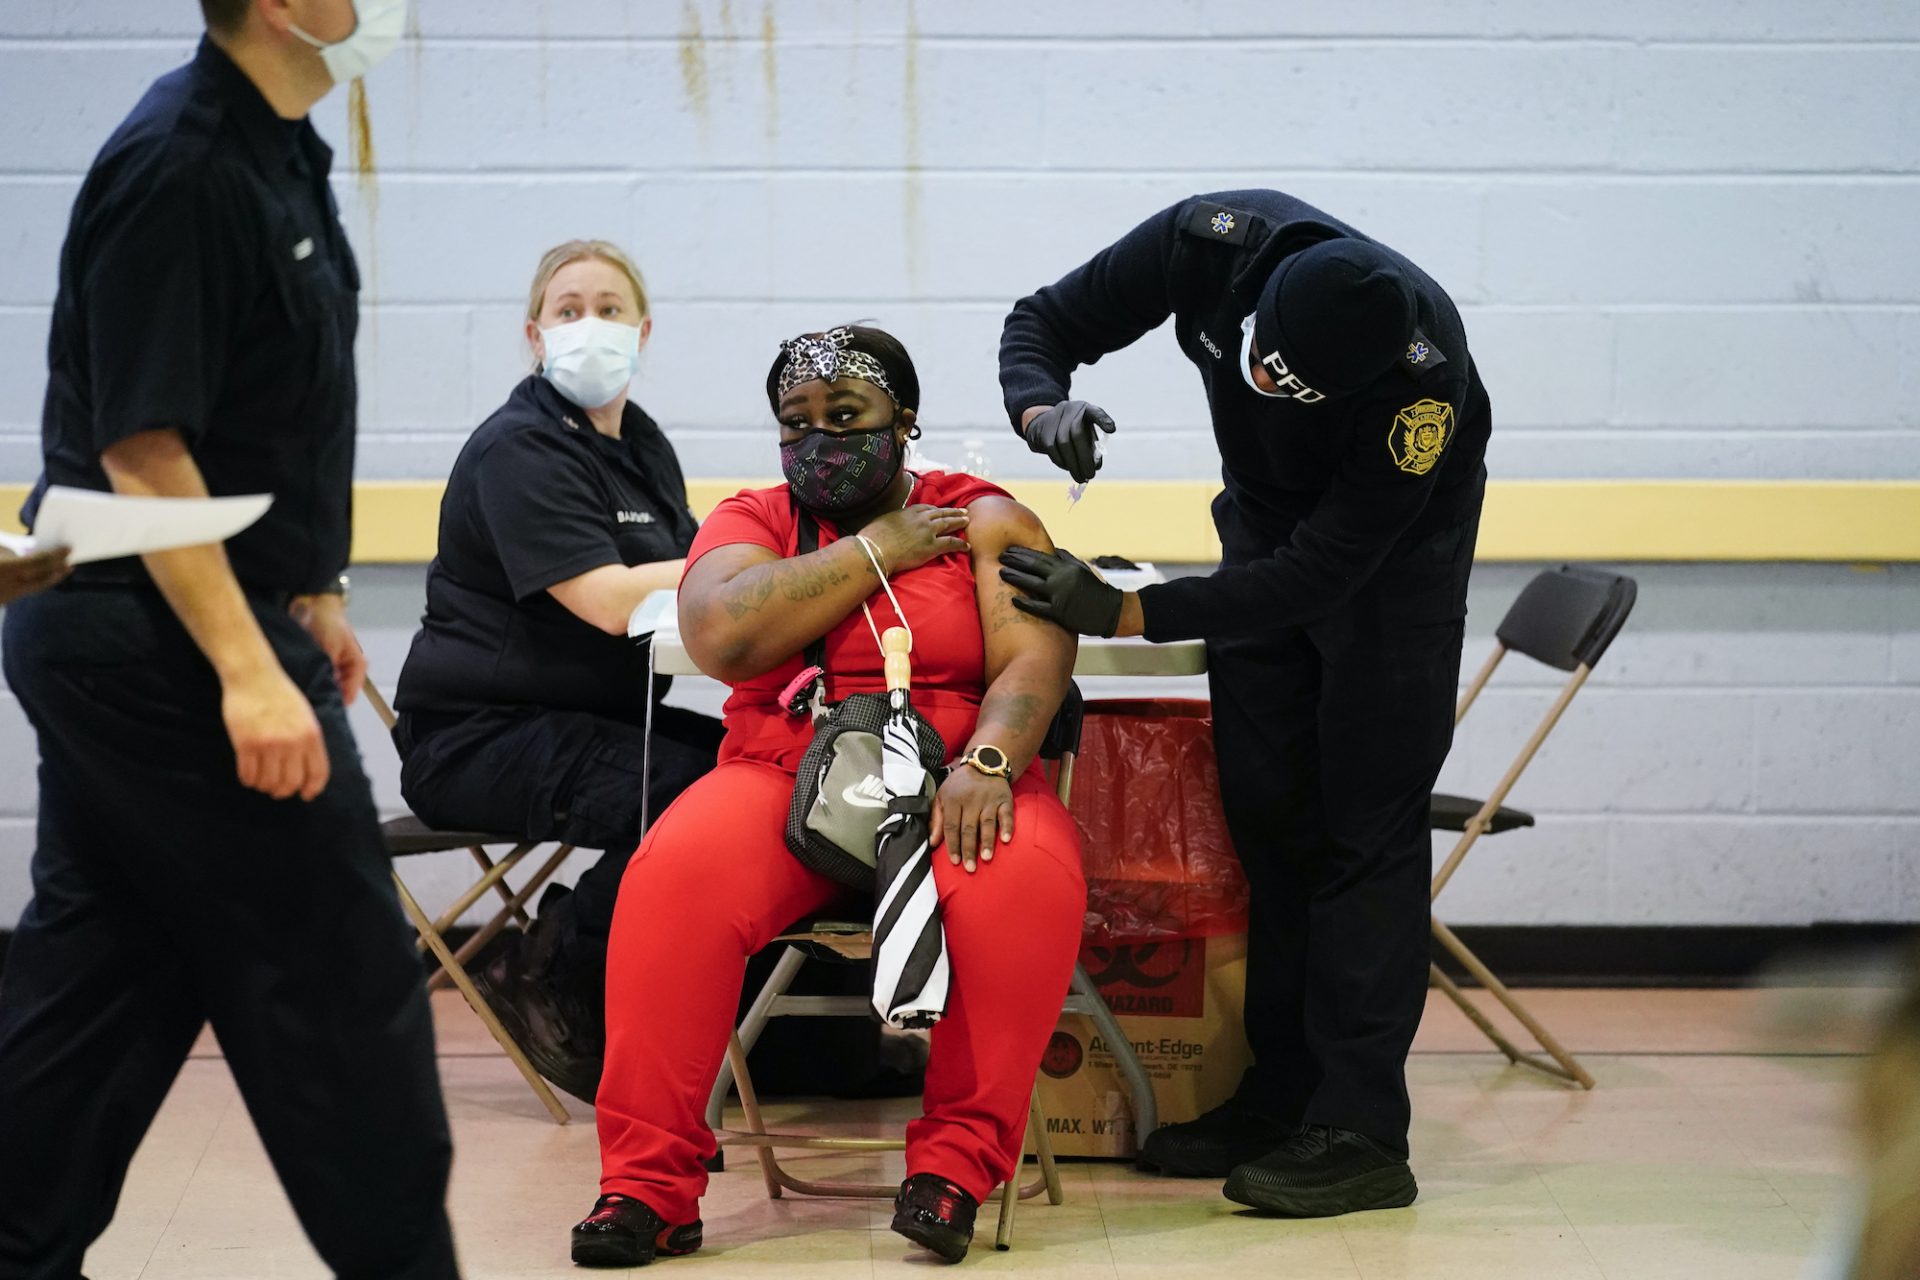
(165, 897)
(556, 775)
(1330, 736)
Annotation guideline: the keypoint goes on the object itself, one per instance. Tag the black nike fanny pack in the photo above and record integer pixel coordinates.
(839, 799)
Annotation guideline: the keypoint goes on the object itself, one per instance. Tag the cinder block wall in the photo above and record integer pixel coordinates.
(1682, 236)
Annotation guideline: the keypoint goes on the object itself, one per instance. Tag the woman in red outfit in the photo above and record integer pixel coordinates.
(713, 881)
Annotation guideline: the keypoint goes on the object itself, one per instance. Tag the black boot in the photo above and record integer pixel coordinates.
(1322, 1172)
(936, 1215)
(1212, 1145)
(561, 1033)
(624, 1232)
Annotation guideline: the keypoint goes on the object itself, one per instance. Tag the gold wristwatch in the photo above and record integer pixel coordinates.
(989, 760)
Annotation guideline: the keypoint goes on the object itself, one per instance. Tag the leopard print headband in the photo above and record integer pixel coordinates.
(828, 357)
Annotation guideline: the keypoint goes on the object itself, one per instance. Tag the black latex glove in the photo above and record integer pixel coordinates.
(1065, 434)
(1061, 588)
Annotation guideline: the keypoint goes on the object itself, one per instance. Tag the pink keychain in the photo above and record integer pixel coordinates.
(797, 697)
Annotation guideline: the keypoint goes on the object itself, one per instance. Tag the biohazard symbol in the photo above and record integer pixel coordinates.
(1420, 432)
(1131, 964)
(1063, 1056)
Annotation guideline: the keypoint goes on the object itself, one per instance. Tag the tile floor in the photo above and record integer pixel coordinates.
(1712, 1146)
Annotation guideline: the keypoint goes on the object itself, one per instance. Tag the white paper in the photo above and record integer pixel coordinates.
(103, 526)
(1143, 575)
(652, 613)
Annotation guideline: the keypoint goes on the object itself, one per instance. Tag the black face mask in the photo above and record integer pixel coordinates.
(836, 473)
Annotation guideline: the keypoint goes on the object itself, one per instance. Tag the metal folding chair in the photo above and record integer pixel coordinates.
(406, 836)
(1565, 618)
(826, 937)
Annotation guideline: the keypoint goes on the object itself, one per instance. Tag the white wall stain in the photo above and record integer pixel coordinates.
(911, 182)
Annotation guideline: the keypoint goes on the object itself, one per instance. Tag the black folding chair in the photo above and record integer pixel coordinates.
(407, 836)
(1565, 618)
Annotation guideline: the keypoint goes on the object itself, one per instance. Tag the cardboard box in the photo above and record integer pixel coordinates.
(1180, 1003)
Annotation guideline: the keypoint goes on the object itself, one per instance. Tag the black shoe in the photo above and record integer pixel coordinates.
(560, 1037)
(1212, 1145)
(936, 1215)
(624, 1232)
(1322, 1172)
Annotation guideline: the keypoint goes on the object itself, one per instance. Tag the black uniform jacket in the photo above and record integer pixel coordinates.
(536, 497)
(206, 286)
(1318, 495)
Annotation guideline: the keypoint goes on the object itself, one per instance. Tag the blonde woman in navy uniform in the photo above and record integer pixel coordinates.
(1352, 427)
(523, 703)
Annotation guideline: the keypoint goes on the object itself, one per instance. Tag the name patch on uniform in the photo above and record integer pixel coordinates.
(1217, 222)
(303, 250)
(1421, 357)
(633, 517)
(1420, 431)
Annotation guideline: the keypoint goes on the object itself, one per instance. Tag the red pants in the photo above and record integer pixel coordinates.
(713, 883)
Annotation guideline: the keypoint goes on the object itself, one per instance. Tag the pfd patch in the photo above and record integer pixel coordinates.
(1420, 432)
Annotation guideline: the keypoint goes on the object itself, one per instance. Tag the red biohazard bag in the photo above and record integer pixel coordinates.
(1146, 797)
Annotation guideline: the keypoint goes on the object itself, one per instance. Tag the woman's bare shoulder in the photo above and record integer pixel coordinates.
(998, 522)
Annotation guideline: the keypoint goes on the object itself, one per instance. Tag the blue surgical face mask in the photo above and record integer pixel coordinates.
(591, 361)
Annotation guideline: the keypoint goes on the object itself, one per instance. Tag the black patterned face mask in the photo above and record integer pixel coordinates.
(834, 473)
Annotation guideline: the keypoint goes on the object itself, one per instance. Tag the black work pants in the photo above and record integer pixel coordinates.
(556, 775)
(166, 896)
(1330, 737)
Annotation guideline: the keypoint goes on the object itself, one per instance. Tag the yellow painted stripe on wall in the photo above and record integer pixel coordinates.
(1613, 520)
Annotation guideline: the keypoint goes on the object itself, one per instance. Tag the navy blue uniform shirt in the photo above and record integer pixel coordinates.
(1317, 495)
(536, 497)
(206, 286)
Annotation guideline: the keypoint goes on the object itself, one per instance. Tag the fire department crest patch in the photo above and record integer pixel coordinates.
(1420, 432)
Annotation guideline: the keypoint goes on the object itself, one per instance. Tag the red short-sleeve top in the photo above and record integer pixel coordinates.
(949, 652)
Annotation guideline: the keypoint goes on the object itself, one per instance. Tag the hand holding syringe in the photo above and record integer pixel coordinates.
(1069, 434)
(1078, 489)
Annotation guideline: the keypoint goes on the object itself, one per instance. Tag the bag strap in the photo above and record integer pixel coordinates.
(815, 654)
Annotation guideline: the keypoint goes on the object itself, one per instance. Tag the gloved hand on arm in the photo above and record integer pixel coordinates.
(1062, 588)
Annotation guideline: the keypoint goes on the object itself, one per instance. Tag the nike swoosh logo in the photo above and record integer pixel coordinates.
(862, 794)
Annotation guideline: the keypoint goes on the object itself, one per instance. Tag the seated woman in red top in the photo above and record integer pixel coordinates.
(713, 882)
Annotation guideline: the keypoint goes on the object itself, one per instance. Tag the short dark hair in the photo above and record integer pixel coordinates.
(225, 16)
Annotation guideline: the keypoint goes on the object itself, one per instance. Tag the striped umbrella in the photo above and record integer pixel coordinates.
(910, 974)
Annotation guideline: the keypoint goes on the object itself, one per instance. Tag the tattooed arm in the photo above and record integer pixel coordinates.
(1029, 663)
(745, 610)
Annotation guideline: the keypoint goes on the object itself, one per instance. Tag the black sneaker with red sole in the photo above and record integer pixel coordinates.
(624, 1232)
(936, 1215)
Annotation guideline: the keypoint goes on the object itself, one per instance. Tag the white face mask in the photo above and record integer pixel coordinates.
(591, 361)
(1290, 387)
(1246, 359)
(378, 26)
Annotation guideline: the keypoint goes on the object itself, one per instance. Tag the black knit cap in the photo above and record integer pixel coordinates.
(1338, 313)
